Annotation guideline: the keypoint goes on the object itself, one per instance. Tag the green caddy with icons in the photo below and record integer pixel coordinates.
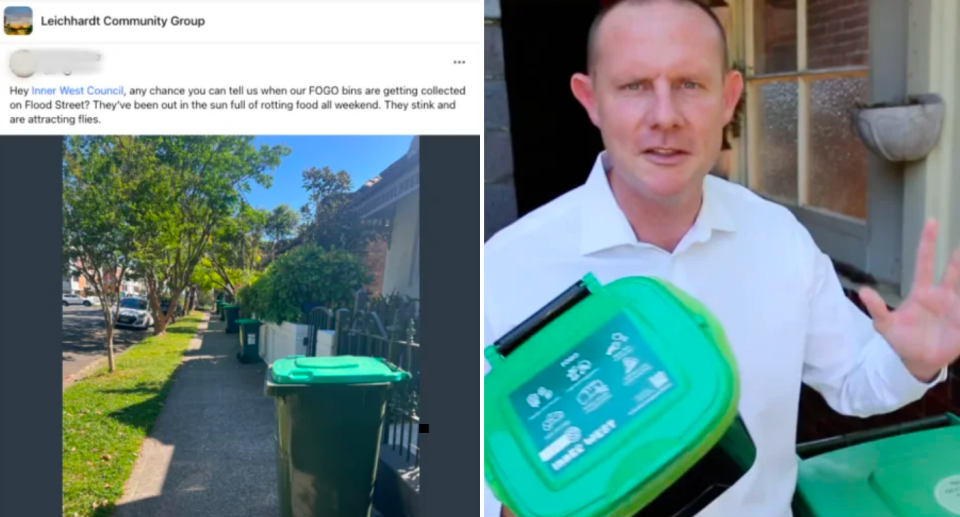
(614, 401)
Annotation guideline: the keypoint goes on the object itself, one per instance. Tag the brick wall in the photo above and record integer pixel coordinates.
(837, 34)
(777, 52)
(376, 262)
(817, 420)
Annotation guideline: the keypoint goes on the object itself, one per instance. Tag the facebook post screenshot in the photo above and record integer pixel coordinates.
(262, 216)
(721, 258)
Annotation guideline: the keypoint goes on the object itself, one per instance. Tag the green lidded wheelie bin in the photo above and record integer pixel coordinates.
(249, 337)
(614, 400)
(231, 314)
(217, 306)
(330, 413)
(907, 470)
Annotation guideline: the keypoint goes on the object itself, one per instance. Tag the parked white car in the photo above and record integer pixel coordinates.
(135, 313)
(74, 299)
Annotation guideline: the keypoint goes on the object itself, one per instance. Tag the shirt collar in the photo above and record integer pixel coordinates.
(605, 226)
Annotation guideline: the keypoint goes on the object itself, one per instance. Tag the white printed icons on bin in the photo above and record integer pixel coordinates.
(552, 420)
(577, 371)
(591, 392)
(534, 399)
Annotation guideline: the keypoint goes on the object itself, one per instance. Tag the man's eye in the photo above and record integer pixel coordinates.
(633, 86)
(690, 85)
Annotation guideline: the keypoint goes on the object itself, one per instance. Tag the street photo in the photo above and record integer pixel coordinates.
(240, 325)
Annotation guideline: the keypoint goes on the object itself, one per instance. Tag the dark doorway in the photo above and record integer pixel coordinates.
(554, 142)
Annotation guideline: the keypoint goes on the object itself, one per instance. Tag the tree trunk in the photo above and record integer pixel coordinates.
(188, 306)
(160, 324)
(108, 311)
(110, 360)
(110, 305)
(153, 294)
(174, 303)
(187, 301)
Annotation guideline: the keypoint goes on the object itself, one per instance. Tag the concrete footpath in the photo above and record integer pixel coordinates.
(212, 451)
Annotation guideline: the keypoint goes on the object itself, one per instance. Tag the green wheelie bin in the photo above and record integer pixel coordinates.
(906, 470)
(330, 413)
(616, 400)
(249, 337)
(231, 313)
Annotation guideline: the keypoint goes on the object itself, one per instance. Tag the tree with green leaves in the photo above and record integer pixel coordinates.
(203, 180)
(281, 223)
(307, 274)
(328, 218)
(97, 220)
(235, 252)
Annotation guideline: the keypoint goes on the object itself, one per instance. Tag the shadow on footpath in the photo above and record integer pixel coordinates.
(211, 451)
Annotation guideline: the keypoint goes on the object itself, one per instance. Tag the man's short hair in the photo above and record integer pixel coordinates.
(595, 26)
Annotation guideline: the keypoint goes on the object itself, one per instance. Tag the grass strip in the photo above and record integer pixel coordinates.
(107, 416)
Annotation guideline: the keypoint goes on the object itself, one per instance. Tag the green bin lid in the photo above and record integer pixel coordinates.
(247, 321)
(609, 404)
(901, 476)
(297, 369)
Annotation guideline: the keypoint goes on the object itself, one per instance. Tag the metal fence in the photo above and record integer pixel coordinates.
(389, 332)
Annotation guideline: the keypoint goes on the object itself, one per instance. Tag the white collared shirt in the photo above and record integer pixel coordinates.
(752, 264)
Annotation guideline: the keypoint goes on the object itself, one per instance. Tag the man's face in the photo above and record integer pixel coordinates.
(659, 95)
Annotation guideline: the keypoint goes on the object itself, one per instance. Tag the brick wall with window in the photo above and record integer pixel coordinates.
(837, 33)
(836, 39)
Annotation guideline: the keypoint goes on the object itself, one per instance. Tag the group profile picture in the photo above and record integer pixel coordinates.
(18, 21)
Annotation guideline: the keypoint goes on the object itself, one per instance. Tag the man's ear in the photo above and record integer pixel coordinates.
(582, 86)
(732, 89)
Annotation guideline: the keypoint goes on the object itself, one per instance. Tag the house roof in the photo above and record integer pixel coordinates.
(376, 193)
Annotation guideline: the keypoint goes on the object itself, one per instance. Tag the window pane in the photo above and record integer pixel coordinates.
(776, 36)
(837, 33)
(777, 139)
(838, 160)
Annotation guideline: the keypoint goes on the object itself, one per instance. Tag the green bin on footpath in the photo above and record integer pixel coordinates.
(231, 313)
(249, 337)
(906, 470)
(330, 413)
(216, 307)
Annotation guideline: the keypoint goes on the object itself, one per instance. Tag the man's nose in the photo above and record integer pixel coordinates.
(664, 113)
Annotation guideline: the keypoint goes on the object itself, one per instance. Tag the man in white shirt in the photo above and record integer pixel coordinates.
(660, 92)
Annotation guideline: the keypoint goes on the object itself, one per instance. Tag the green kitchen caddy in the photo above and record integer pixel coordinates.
(614, 400)
(907, 470)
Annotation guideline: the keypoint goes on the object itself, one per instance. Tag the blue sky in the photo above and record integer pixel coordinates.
(362, 156)
(18, 15)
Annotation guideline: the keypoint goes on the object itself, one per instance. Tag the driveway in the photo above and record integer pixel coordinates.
(85, 336)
